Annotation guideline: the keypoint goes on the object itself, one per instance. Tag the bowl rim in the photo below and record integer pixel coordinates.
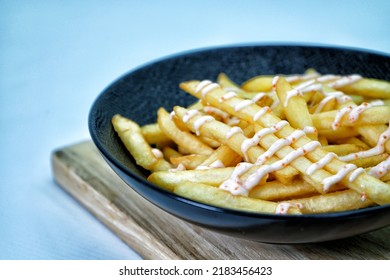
(196, 51)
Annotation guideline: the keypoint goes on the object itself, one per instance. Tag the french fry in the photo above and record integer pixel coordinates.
(212, 177)
(276, 191)
(354, 140)
(222, 157)
(217, 197)
(369, 161)
(322, 139)
(169, 152)
(258, 84)
(210, 142)
(333, 202)
(372, 116)
(188, 161)
(342, 149)
(153, 135)
(131, 136)
(372, 88)
(182, 138)
(341, 133)
(295, 108)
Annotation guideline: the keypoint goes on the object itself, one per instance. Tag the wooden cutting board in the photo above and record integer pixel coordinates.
(155, 234)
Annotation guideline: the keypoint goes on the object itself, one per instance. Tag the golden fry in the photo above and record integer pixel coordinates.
(131, 136)
(153, 135)
(217, 197)
(295, 107)
(372, 116)
(372, 88)
(333, 202)
(182, 138)
(212, 177)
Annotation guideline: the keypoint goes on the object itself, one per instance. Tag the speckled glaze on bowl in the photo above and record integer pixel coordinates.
(139, 93)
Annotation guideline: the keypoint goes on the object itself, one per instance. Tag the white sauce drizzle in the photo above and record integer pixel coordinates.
(274, 81)
(290, 94)
(157, 153)
(243, 104)
(340, 113)
(189, 114)
(311, 86)
(232, 131)
(353, 111)
(381, 169)
(331, 180)
(321, 163)
(201, 85)
(261, 112)
(356, 111)
(278, 144)
(338, 95)
(322, 103)
(216, 111)
(264, 170)
(216, 164)
(247, 143)
(201, 121)
(234, 184)
(180, 167)
(327, 78)
(233, 121)
(258, 97)
(301, 89)
(283, 207)
(344, 81)
(295, 78)
(276, 127)
(310, 130)
(208, 88)
(377, 102)
(304, 85)
(377, 150)
(227, 96)
(356, 174)
(172, 115)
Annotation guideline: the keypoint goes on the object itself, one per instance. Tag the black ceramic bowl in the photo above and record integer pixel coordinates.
(139, 93)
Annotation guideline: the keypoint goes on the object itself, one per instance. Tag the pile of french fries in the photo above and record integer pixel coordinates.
(286, 144)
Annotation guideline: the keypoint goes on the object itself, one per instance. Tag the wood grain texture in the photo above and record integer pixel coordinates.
(155, 234)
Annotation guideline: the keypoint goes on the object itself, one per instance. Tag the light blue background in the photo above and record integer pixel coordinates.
(57, 56)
